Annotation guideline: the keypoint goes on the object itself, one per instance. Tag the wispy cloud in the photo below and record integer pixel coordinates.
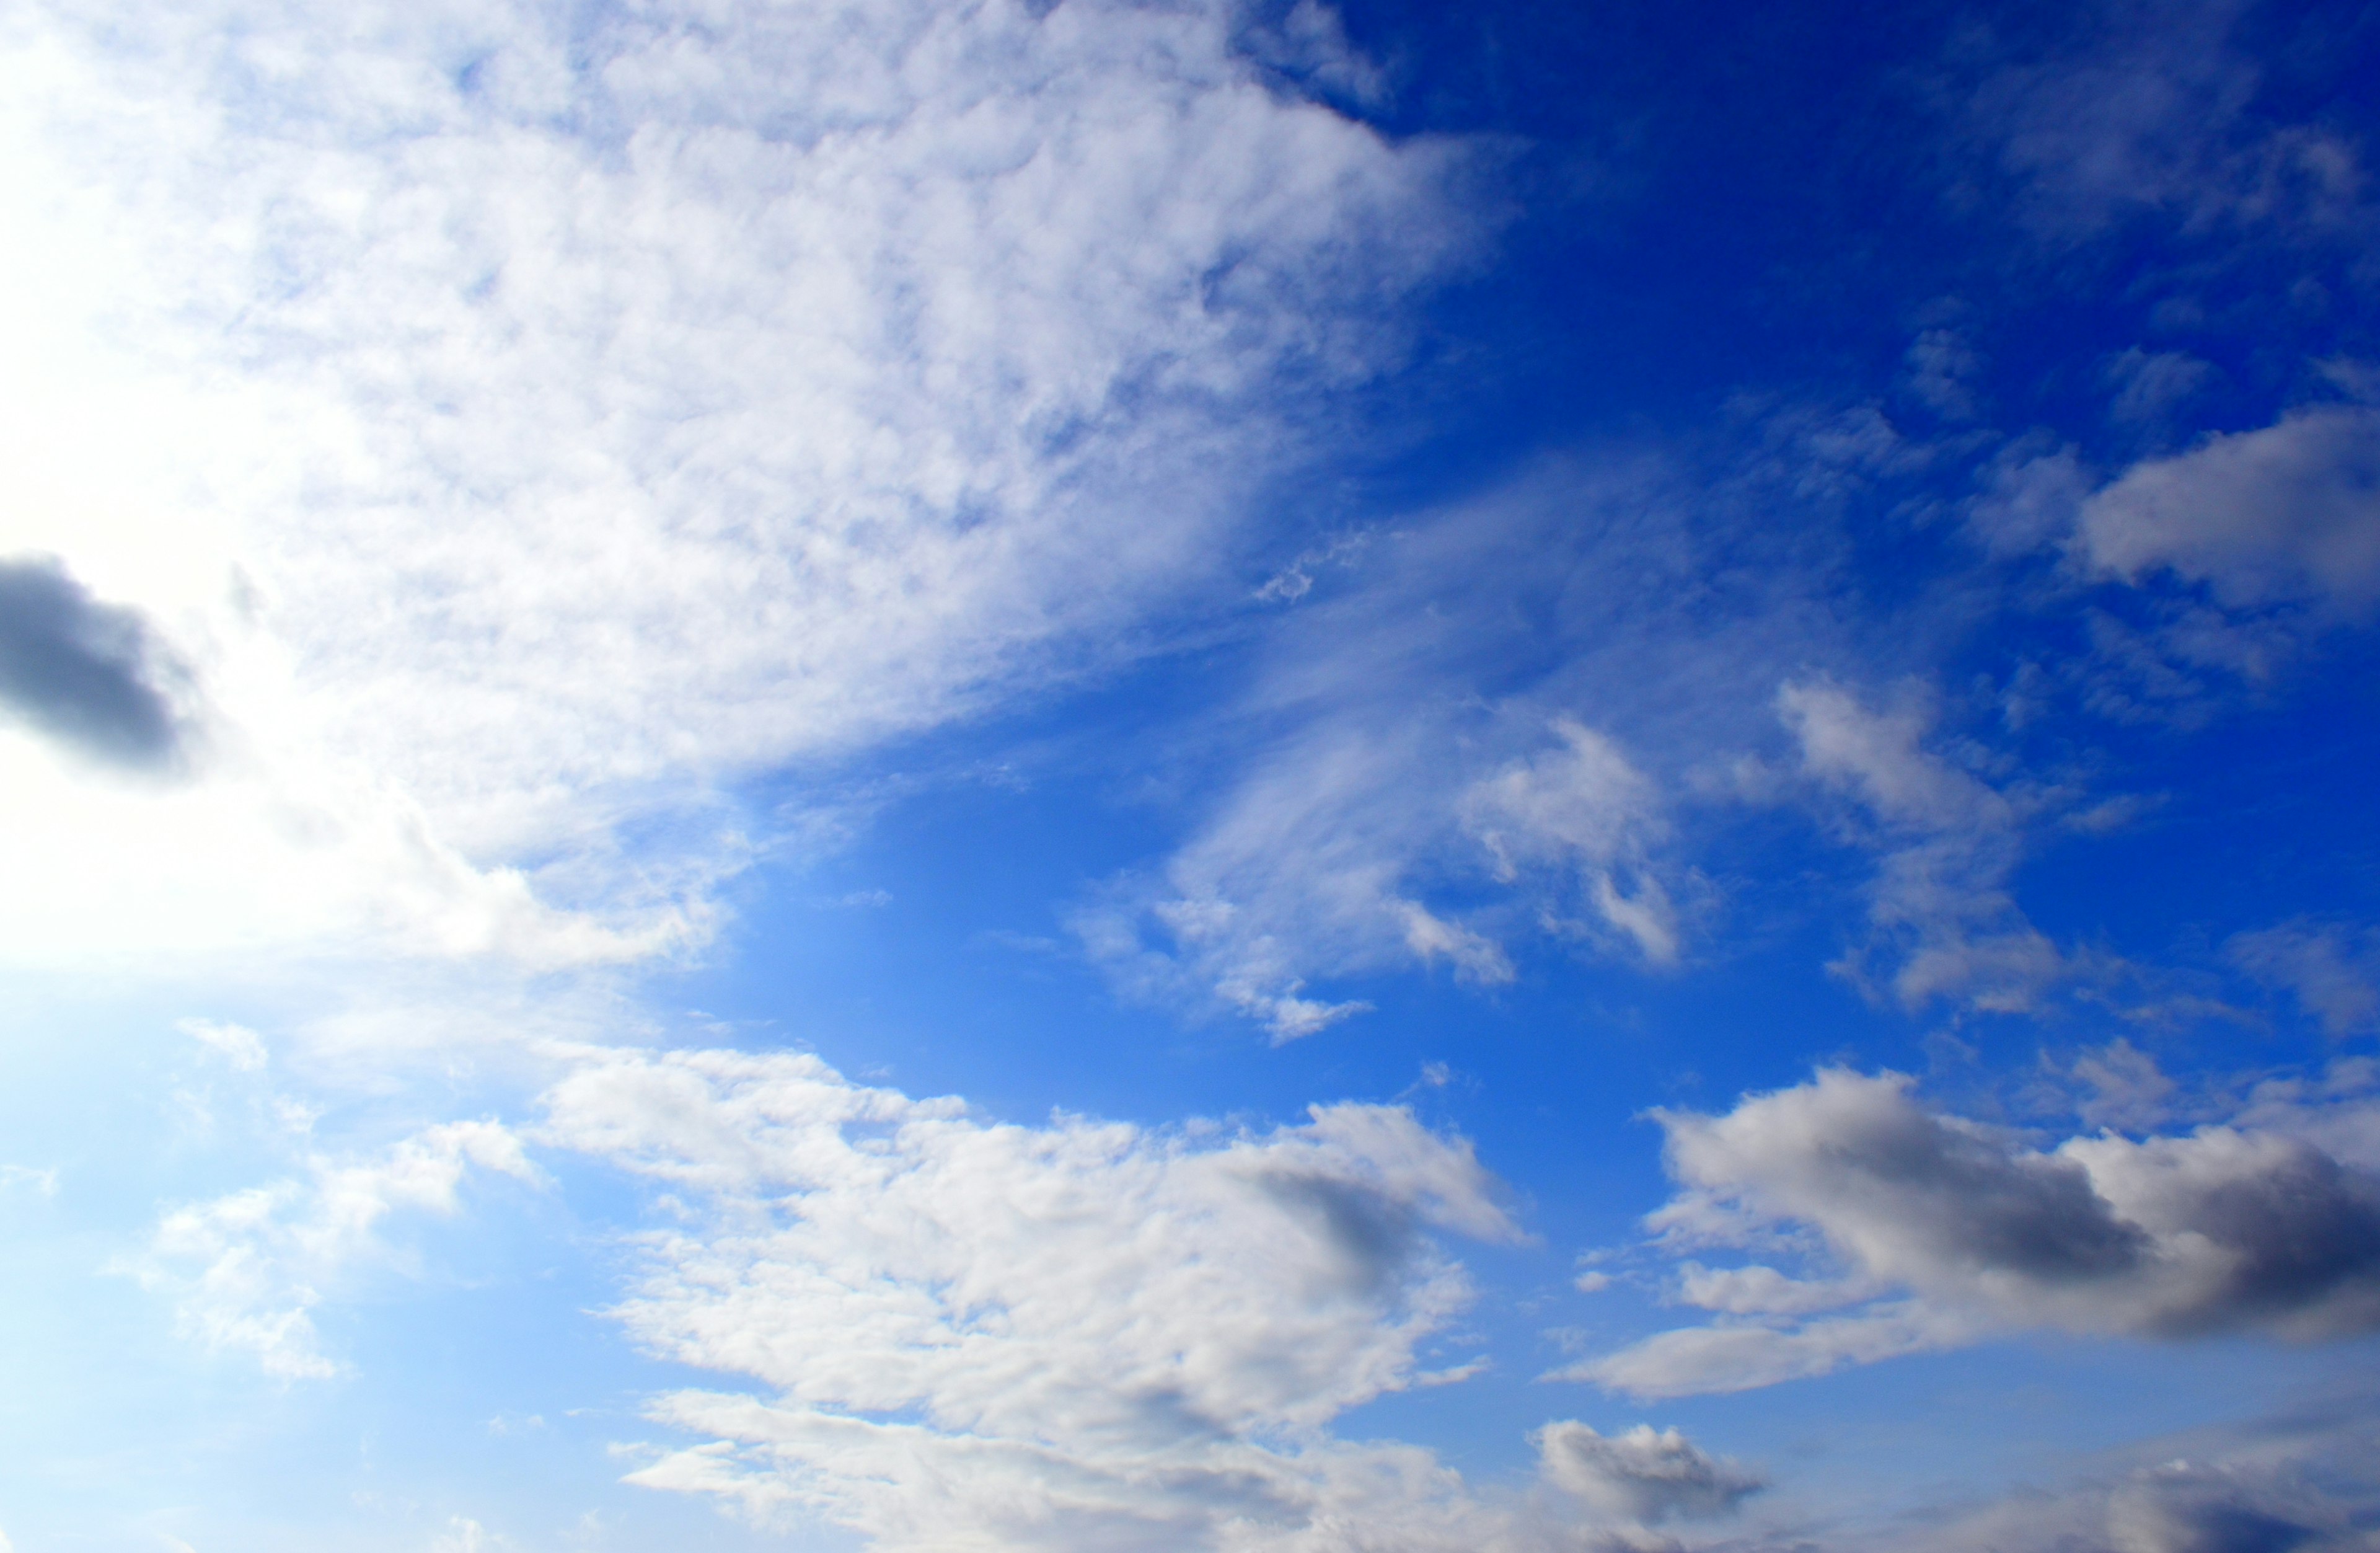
(598, 415)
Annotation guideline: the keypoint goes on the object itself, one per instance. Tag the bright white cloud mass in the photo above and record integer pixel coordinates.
(1151, 774)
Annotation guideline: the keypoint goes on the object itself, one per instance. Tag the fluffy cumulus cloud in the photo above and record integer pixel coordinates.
(2289, 513)
(1964, 1231)
(556, 413)
(1644, 1476)
(972, 1335)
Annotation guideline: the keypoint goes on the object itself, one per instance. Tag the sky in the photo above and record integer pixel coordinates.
(1085, 776)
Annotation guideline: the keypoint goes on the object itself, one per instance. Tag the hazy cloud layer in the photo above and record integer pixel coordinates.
(2227, 1228)
(92, 675)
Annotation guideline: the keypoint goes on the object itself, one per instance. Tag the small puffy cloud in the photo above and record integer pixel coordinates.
(1582, 805)
(93, 676)
(2225, 1229)
(1944, 923)
(1642, 1476)
(2288, 513)
(235, 1043)
(1304, 871)
(246, 1269)
(1071, 1336)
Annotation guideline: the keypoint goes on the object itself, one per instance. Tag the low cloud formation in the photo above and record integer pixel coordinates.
(2226, 1228)
(2288, 514)
(1644, 1476)
(93, 676)
(1081, 1335)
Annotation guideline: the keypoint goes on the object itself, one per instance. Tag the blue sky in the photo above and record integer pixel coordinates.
(1109, 776)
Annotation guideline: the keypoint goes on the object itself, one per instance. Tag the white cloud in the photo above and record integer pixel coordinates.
(1582, 805)
(464, 1534)
(1643, 1476)
(238, 1045)
(1944, 923)
(245, 1269)
(989, 1336)
(2288, 513)
(43, 1180)
(1307, 869)
(2229, 1227)
(551, 423)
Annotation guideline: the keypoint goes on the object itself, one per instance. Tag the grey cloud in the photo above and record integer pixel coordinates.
(2288, 513)
(1642, 1476)
(2226, 1228)
(1082, 1336)
(92, 674)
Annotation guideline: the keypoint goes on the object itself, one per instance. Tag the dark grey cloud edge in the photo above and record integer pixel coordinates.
(93, 676)
(2176, 1235)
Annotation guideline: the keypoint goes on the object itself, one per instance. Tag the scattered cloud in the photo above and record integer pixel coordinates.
(1581, 805)
(2288, 514)
(2291, 1484)
(1642, 1476)
(1076, 1335)
(2147, 109)
(244, 1270)
(235, 1043)
(2224, 1228)
(1944, 922)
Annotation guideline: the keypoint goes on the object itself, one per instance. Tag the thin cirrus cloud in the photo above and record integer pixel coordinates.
(2253, 1226)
